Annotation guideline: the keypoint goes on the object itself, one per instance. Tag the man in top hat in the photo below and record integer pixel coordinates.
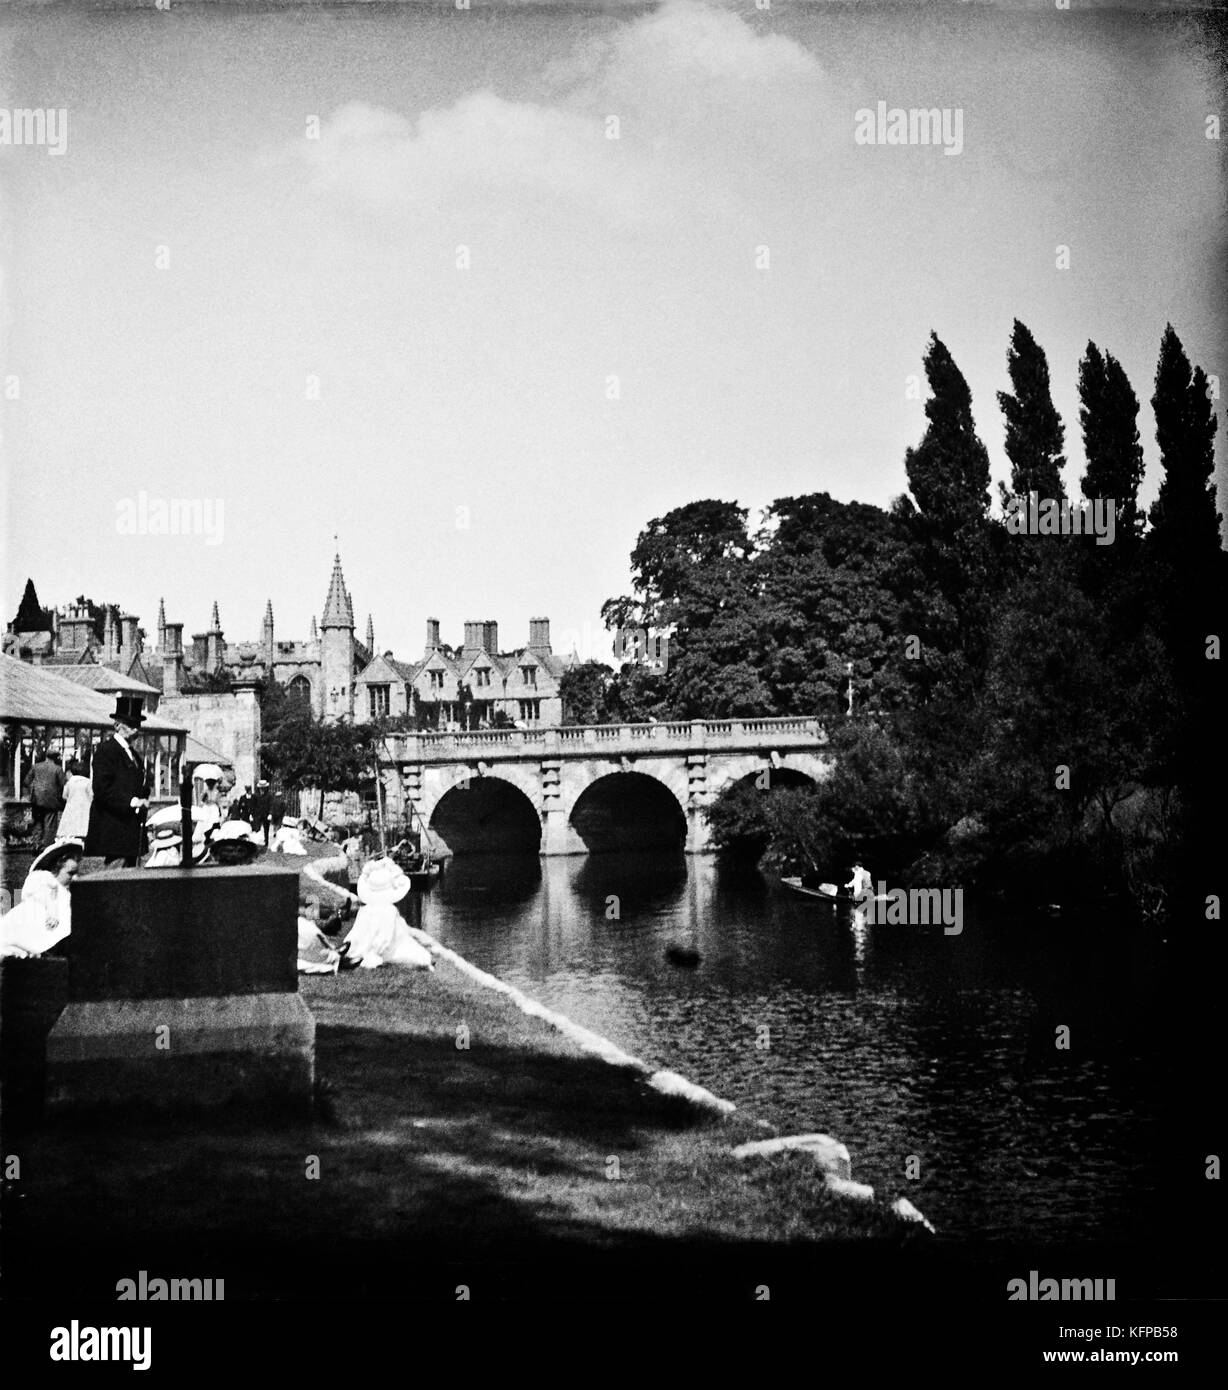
(261, 805)
(121, 791)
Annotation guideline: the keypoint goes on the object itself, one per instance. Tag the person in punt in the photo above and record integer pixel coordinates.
(380, 934)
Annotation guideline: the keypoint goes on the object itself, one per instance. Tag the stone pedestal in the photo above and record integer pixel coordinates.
(183, 994)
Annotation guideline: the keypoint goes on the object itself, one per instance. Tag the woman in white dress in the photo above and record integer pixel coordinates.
(380, 935)
(44, 914)
(78, 793)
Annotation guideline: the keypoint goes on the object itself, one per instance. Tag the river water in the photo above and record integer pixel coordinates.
(924, 1052)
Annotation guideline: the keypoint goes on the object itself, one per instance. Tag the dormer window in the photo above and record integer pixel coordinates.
(528, 675)
(436, 680)
(481, 676)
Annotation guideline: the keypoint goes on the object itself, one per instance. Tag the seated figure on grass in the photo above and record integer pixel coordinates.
(317, 955)
(381, 936)
(43, 917)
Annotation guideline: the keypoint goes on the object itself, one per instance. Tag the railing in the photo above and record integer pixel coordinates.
(574, 739)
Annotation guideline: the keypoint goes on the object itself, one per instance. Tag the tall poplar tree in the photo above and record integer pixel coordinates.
(1185, 532)
(1108, 414)
(1034, 430)
(949, 541)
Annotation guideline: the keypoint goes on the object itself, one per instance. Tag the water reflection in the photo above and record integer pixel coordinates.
(904, 1042)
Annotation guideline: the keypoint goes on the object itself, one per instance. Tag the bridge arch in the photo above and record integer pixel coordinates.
(636, 808)
(493, 813)
(793, 769)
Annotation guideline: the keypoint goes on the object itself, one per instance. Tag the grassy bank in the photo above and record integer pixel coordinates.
(437, 1165)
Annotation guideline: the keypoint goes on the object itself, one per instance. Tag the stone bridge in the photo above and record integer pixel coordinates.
(576, 788)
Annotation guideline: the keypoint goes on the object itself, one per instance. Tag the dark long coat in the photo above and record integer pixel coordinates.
(115, 829)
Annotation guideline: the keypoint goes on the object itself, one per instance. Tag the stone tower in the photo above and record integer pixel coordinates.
(337, 650)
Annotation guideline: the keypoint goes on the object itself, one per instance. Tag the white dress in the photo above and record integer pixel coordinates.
(75, 818)
(380, 936)
(40, 919)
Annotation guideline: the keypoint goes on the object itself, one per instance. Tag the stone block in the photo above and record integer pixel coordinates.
(830, 1154)
(32, 994)
(183, 933)
(253, 1051)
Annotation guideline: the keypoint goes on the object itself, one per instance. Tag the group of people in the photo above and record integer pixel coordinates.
(380, 934)
(103, 818)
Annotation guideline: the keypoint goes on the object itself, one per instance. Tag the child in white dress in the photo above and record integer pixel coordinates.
(380, 935)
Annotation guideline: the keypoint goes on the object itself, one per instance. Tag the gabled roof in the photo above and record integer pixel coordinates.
(81, 657)
(382, 669)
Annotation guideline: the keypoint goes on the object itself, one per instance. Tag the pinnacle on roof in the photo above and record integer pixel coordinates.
(268, 611)
(314, 630)
(215, 624)
(161, 614)
(370, 634)
(338, 611)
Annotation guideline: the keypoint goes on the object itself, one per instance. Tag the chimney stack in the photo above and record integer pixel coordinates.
(172, 658)
(539, 635)
(490, 636)
(432, 635)
(475, 636)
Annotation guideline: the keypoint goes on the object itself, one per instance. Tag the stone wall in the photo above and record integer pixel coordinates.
(228, 722)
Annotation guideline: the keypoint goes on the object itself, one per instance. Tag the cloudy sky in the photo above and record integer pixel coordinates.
(309, 351)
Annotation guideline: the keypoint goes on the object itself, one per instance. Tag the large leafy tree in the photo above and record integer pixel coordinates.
(826, 571)
(1034, 431)
(583, 690)
(693, 574)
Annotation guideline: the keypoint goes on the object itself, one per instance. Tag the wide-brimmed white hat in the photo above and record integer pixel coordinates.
(235, 830)
(382, 881)
(58, 849)
(208, 772)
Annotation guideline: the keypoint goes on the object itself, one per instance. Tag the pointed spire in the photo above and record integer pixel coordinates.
(215, 624)
(161, 618)
(268, 613)
(370, 634)
(315, 632)
(338, 611)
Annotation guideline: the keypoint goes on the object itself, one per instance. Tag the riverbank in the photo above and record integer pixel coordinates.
(457, 1140)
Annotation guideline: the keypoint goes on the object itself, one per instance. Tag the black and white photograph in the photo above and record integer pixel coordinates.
(612, 693)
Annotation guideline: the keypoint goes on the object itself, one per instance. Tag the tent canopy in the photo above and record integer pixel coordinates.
(32, 695)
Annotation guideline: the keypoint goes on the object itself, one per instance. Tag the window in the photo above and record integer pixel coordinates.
(378, 696)
(528, 674)
(481, 676)
(530, 711)
(300, 689)
(436, 680)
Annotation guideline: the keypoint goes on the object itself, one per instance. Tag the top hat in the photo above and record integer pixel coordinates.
(128, 711)
(382, 881)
